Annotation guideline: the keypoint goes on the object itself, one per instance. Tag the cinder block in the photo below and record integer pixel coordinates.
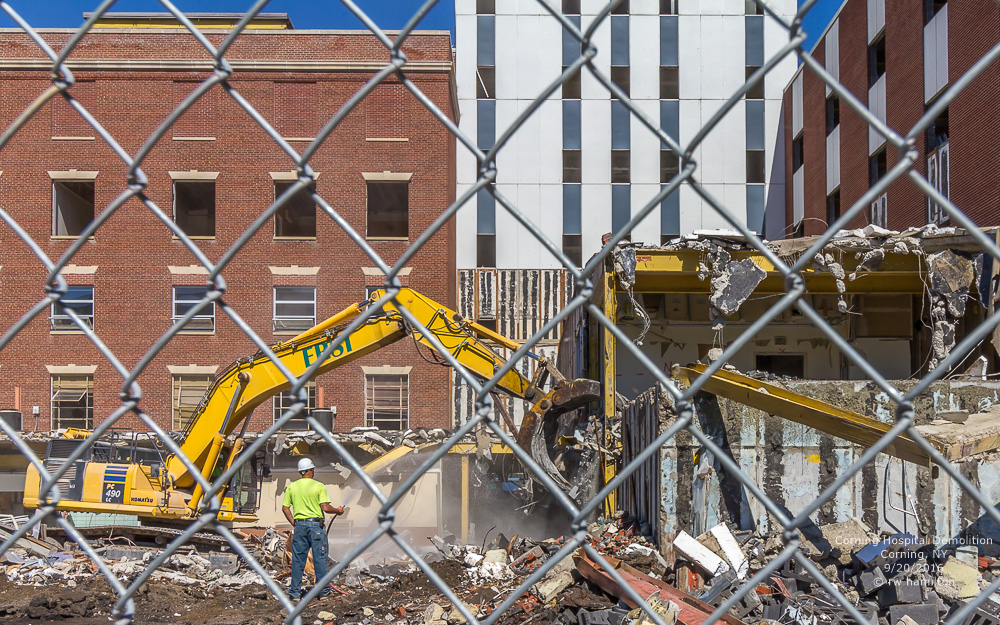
(870, 581)
(922, 613)
(900, 591)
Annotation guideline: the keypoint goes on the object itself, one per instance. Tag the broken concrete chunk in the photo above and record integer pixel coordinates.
(954, 416)
(723, 544)
(699, 554)
(950, 276)
(957, 580)
(734, 285)
(553, 584)
(494, 556)
(434, 615)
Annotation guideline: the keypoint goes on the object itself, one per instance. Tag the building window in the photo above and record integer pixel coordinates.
(832, 113)
(296, 219)
(79, 299)
(833, 207)
(387, 401)
(879, 214)
(72, 207)
(283, 401)
(938, 167)
(620, 76)
(572, 241)
(571, 87)
(186, 298)
(621, 208)
(876, 60)
(486, 229)
(669, 86)
(797, 152)
(621, 9)
(188, 391)
(752, 8)
(388, 210)
(621, 170)
(571, 165)
(486, 250)
(294, 308)
(755, 166)
(669, 166)
(931, 8)
(72, 401)
(485, 81)
(756, 91)
(571, 7)
(937, 132)
(485, 7)
(876, 167)
(194, 207)
(668, 7)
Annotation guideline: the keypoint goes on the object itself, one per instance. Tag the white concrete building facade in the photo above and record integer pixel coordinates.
(581, 166)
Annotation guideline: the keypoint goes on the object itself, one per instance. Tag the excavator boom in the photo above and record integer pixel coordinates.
(209, 441)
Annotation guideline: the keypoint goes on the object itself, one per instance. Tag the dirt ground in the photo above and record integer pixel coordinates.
(404, 598)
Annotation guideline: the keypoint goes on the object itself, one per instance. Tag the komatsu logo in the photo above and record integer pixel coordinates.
(141, 499)
(313, 352)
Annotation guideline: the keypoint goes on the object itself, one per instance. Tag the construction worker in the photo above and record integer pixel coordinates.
(309, 500)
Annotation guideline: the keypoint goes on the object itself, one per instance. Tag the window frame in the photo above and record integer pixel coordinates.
(368, 211)
(798, 152)
(622, 168)
(195, 181)
(70, 326)
(179, 423)
(404, 400)
(275, 317)
(55, 205)
(282, 402)
(670, 89)
(756, 91)
(876, 49)
(175, 318)
(86, 396)
(285, 208)
(486, 91)
(832, 113)
(761, 167)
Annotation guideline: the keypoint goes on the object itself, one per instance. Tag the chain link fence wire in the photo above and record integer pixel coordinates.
(55, 286)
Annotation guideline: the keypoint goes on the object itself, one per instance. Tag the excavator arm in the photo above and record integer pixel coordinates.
(212, 440)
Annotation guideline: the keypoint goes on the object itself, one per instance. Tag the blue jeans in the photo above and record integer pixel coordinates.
(308, 533)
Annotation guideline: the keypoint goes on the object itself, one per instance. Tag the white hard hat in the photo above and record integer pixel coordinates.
(305, 464)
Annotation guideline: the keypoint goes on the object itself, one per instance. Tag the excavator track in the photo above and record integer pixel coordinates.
(140, 534)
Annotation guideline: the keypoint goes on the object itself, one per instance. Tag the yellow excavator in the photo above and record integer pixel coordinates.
(134, 479)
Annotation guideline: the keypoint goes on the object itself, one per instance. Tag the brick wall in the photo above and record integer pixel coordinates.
(974, 118)
(133, 249)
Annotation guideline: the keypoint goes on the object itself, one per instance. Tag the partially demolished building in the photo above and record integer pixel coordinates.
(902, 300)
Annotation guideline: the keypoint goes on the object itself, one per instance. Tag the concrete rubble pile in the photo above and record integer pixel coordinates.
(67, 564)
(891, 579)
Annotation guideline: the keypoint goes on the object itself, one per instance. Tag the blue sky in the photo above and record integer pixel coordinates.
(309, 13)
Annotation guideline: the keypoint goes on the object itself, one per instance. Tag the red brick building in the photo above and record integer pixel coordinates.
(389, 170)
(898, 58)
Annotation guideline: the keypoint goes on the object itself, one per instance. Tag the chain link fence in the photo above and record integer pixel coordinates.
(62, 82)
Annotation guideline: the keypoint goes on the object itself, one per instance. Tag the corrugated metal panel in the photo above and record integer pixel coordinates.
(527, 293)
(487, 299)
(640, 492)
(550, 300)
(467, 293)
(507, 308)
